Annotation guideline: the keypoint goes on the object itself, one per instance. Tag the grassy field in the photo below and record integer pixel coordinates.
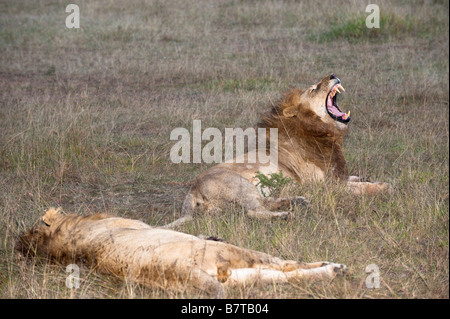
(86, 116)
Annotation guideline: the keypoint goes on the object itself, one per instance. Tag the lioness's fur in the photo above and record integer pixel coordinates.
(309, 148)
(136, 251)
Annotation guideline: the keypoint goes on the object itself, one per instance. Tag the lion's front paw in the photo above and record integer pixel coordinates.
(388, 187)
(359, 188)
(383, 187)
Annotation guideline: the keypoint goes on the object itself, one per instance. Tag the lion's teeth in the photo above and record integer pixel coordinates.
(346, 115)
(338, 90)
(341, 87)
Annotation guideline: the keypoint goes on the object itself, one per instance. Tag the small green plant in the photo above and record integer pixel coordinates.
(272, 184)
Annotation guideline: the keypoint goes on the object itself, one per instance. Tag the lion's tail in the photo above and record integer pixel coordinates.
(187, 210)
(189, 204)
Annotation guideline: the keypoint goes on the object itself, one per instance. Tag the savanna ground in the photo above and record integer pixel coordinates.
(86, 115)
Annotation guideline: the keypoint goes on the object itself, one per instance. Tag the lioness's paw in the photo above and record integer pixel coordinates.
(300, 200)
(331, 270)
(340, 269)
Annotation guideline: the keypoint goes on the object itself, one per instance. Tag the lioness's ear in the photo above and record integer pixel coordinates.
(50, 215)
(290, 111)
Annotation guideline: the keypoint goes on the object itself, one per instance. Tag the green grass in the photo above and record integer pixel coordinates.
(86, 115)
(392, 27)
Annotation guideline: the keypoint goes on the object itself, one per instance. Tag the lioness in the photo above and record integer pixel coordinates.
(311, 128)
(136, 251)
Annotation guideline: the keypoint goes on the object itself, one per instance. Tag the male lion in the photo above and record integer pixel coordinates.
(311, 128)
(135, 251)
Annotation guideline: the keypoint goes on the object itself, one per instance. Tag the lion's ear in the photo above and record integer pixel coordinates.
(50, 215)
(290, 111)
(291, 103)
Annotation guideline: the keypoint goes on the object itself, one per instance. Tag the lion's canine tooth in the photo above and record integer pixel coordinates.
(348, 113)
(341, 87)
(338, 90)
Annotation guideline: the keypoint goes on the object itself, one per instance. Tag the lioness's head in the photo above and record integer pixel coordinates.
(318, 102)
(37, 240)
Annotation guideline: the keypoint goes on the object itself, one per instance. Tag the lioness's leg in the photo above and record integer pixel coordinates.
(290, 265)
(265, 276)
(326, 271)
(201, 280)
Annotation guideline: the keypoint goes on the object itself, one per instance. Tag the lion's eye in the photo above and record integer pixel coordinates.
(313, 88)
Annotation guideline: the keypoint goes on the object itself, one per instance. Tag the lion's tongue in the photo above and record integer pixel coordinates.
(333, 109)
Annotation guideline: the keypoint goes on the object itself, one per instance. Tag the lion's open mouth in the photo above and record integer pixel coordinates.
(332, 106)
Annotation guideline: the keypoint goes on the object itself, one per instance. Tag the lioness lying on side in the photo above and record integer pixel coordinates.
(133, 250)
(311, 128)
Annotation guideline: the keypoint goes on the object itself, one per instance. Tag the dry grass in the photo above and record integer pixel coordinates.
(86, 115)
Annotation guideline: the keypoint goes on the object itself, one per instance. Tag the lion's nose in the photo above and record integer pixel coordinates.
(333, 77)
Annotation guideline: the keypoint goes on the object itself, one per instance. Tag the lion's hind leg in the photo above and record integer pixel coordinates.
(270, 207)
(267, 214)
(258, 206)
(283, 203)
